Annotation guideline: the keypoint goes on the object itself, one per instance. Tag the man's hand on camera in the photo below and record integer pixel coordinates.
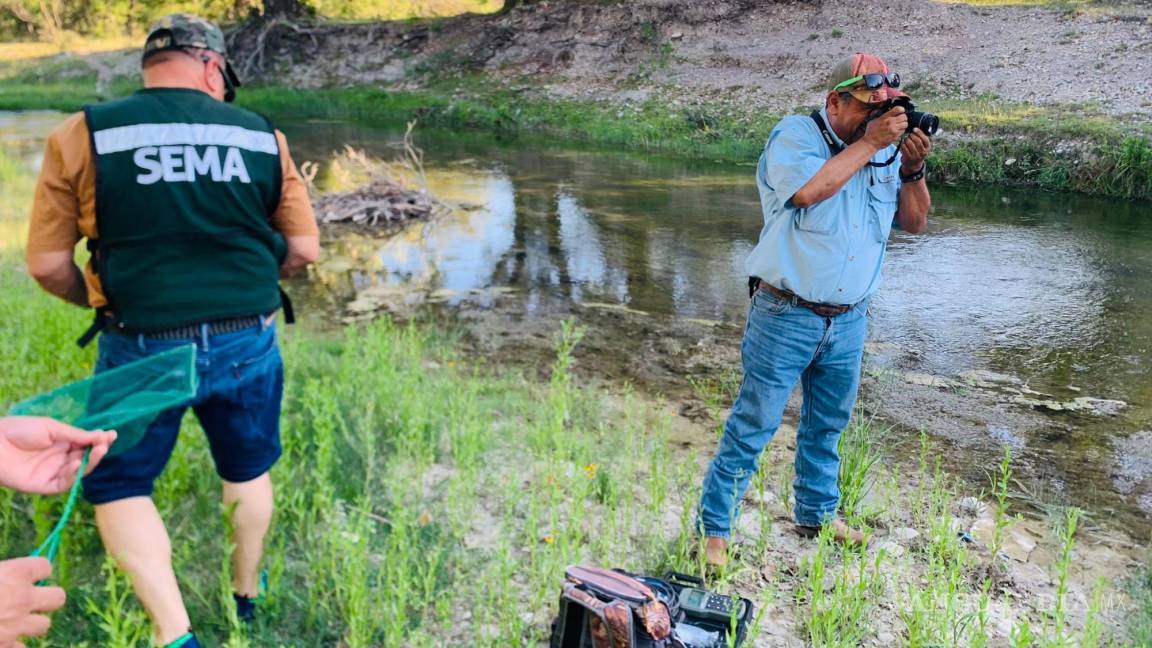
(887, 128)
(914, 151)
(23, 605)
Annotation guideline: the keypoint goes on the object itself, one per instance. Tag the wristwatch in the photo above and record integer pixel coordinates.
(917, 175)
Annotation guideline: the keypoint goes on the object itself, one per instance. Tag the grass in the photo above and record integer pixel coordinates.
(1140, 589)
(74, 44)
(510, 113)
(429, 499)
(402, 9)
(414, 485)
(1000, 516)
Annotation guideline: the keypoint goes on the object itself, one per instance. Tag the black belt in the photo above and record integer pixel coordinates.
(189, 331)
(823, 310)
(101, 322)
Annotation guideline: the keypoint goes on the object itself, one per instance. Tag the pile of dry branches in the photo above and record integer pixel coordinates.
(394, 193)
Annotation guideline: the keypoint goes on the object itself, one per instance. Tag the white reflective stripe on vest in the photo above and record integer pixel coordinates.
(127, 138)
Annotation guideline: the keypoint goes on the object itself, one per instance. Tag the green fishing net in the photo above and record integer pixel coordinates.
(126, 399)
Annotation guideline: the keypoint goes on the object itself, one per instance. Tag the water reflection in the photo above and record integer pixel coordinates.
(973, 291)
(584, 256)
(459, 252)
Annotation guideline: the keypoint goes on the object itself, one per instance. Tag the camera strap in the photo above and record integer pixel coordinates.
(835, 146)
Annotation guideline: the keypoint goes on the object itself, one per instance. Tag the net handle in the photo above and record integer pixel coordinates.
(51, 545)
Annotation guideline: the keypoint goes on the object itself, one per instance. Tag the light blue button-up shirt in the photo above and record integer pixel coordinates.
(832, 251)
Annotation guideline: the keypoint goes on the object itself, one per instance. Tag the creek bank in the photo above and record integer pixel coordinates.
(708, 79)
(688, 367)
(694, 364)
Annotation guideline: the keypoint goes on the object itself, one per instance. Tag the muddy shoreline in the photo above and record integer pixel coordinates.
(688, 369)
(691, 367)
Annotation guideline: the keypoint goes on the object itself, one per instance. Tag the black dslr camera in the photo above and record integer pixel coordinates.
(926, 122)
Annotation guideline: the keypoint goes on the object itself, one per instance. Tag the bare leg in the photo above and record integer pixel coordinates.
(135, 536)
(250, 522)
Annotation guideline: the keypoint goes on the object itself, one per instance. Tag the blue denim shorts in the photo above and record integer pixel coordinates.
(238, 405)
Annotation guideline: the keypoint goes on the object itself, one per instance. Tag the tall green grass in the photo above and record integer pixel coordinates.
(414, 488)
(1141, 622)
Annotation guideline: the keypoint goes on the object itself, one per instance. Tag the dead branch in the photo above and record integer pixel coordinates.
(388, 199)
(251, 42)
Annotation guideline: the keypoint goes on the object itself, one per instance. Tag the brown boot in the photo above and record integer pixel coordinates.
(841, 532)
(715, 551)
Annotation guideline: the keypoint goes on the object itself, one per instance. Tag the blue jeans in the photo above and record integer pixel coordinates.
(238, 404)
(783, 343)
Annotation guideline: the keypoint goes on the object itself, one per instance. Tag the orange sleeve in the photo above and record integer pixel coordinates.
(294, 216)
(64, 189)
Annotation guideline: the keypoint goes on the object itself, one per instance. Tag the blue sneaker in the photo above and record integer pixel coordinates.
(187, 641)
(246, 606)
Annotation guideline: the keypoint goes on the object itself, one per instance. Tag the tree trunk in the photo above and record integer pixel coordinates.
(509, 5)
(22, 13)
(284, 8)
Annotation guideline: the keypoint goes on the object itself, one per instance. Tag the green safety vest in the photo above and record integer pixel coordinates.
(185, 190)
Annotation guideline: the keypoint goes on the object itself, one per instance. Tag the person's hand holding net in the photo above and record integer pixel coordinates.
(42, 456)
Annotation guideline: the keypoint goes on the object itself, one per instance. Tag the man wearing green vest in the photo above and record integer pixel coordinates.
(192, 209)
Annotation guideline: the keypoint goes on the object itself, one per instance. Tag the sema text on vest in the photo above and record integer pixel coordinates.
(185, 163)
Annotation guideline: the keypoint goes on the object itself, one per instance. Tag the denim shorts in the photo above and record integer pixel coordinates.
(238, 405)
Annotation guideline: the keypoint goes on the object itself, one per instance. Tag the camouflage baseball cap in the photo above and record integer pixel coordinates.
(180, 30)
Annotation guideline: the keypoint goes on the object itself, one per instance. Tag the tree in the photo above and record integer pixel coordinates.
(43, 17)
(509, 5)
(285, 8)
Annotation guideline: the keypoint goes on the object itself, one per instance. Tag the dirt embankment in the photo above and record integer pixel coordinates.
(770, 55)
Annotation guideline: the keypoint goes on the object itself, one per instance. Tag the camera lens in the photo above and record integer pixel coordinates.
(926, 122)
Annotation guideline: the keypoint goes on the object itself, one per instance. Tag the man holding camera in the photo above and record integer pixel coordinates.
(832, 185)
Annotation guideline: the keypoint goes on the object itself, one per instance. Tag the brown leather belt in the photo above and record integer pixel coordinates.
(823, 310)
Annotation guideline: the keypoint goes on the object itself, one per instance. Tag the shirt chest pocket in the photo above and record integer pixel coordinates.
(821, 218)
(882, 195)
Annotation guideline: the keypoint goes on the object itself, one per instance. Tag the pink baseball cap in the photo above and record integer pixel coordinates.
(858, 65)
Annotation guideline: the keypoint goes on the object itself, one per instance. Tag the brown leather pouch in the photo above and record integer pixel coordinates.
(600, 608)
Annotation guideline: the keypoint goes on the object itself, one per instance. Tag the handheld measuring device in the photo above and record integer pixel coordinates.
(707, 605)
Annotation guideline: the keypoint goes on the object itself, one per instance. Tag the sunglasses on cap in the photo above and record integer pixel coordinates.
(871, 81)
